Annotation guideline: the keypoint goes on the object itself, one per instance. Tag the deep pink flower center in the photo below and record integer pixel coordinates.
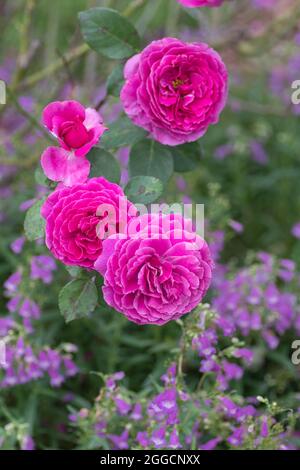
(74, 134)
(177, 89)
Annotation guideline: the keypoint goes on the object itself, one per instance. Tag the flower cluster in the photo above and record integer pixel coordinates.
(19, 303)
(175, 416)
(23, 364)
(258, 299)
(25, 361)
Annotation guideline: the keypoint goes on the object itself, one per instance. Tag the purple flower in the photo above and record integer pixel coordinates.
(244, 353)
(236, 438)
(258, 152)
(27, 443)
(29, 309)
(228, 407)
(224, 151)
(264, 430)
(236, 226)
(158, 438)
(164, 405)
(17, 245)
(211, 444)
(142, 439)
(136, 413)
(169, 378)
(70, 367)
(174, 440)
(120, 442)
(12, 283)
(42, 268)
(111, 381)
(271, 340)
(123, 407)
(296, 230)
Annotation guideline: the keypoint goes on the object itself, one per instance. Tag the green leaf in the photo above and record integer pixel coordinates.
(187, 157)
(78, 299)
(108, 32)
(75, 271)
(149, 158)
(34, 224)
(115, 81)
(104, 164)
(121, 133)
(144, 189)
(40, 177)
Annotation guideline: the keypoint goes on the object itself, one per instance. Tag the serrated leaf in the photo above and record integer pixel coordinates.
(149, 158)
(121, 133)
(108, 32)
(144, 189)
(104, 164)
(78, 299)
(187, 157)
(34, 224)
(115, 81)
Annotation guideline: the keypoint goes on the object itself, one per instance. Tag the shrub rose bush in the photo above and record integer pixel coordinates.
(105, 340)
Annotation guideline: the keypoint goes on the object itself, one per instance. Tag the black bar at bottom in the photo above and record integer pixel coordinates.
(135, 459)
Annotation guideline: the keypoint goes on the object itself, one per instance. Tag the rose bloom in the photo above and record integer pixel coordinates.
(175, 90)
(76, 128)
(75, 217)
(201, 3)
(156, 273)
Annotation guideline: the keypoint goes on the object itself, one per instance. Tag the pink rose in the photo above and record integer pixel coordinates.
(175, 90)
(77, 130)
(60, 165)
(201, 3)
(157, 274)
(75, 217)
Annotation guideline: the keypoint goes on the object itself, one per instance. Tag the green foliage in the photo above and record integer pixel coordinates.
(108, 32)
(104, 164)
(122, 133)
(34, 224)
(115, 81)
(78, 299)
(149, 158)
(144, 189)
(187, 157)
